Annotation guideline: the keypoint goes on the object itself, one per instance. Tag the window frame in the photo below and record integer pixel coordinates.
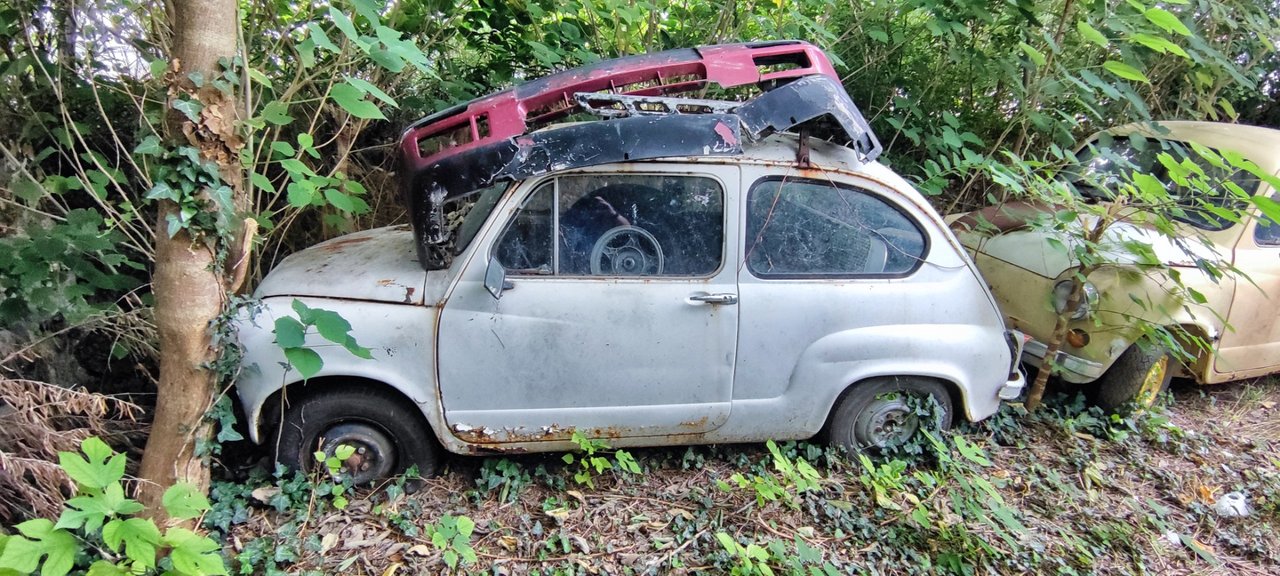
(554, 180)
(747, 238)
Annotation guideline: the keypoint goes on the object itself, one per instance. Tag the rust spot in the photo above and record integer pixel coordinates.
(340, 243)
(386, 282)
(698, 424)
(408, 294)
(552, 433)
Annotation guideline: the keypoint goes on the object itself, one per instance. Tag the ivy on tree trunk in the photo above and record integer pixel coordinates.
(190, 281)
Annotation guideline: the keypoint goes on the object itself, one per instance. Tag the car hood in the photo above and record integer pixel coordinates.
(378, 265)
(1005, 235)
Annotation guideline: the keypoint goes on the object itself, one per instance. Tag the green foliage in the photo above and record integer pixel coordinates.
(451, 535)
(505, 476)
(333, 463)
(791, 478)
(97, 531)
(291, 336)
(56, 269)
(756, 560)
(595, 460)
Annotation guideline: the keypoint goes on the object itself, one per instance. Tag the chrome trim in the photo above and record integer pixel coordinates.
(1070, 368)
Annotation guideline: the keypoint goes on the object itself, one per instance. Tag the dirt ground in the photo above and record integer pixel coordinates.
(1065, 491)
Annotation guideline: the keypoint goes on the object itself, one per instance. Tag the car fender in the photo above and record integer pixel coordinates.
(398, 336)
(842, 359)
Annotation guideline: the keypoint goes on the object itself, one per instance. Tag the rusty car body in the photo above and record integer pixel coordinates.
(1237, 318)
(676, 271)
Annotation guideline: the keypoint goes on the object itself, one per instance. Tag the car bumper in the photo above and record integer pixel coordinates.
(1073, 369)
(1017, 380)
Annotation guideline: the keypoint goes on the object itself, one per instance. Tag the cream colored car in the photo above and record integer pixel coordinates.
(1028, 273)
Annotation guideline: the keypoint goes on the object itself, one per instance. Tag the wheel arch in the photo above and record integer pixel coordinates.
(954, 392)
(271, 409)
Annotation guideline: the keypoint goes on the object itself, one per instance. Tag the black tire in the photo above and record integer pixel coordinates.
(1137, 378)
(876, 415)
(390, 435)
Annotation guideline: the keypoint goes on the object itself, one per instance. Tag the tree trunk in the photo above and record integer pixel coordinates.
(189, 287)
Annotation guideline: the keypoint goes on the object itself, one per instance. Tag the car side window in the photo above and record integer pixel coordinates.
(526, 247)
(1267, 232)
(618, 225)
(798, 228)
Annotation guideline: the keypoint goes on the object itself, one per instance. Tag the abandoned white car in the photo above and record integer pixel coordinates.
(675, 271)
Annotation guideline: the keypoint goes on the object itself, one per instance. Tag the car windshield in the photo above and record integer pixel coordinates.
(466, 215)
(1106, 164)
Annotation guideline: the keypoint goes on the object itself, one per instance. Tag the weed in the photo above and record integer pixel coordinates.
(452, 537)
(97, 529)
(594, 460)
(794, 476)
(504, 475)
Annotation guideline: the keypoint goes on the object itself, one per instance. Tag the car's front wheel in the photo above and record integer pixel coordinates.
(886, 412)
(1137, 377)
(387, 435)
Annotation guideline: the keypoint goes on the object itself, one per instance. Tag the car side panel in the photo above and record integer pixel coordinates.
(397, 335)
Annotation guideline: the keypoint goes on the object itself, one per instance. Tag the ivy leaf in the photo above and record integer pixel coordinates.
(1091, 34)
(1164, 19)
(352, 100)
(276, 112)
(366, 86)
(192, 553)
(289, 333)
(150, 146)
(184, 501)
(139, 536)
(1125, 71)
(304, 360)
(191, 108)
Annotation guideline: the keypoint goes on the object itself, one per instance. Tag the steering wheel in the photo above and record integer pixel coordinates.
(626, 251)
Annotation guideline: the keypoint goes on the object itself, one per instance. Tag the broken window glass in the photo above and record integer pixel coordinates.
(526, 247)
(809, 228)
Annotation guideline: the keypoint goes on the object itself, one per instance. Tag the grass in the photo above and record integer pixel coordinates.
(1064, 491)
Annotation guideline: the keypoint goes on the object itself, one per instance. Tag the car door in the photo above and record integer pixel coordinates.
(619, 316)
(1251, 342)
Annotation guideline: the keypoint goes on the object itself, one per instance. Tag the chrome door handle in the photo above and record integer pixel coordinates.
(722, 298)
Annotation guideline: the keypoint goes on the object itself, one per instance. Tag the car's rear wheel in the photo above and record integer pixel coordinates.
(885, 413)
(388, 435)
(1136, 378)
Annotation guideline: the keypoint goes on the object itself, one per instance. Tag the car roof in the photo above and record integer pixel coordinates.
(1259, 144)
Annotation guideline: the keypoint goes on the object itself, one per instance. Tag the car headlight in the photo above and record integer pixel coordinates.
(1062, 291)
